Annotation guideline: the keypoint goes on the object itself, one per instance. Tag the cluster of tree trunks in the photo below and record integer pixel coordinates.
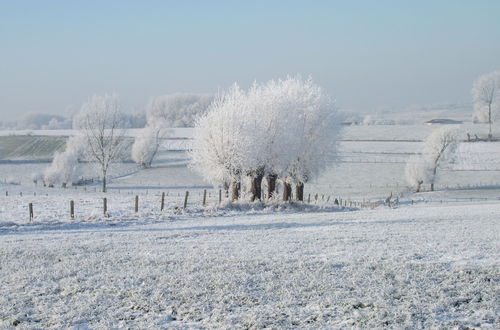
(256, 188)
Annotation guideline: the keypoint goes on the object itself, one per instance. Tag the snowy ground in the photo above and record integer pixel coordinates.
(416, 266)
(432, 262)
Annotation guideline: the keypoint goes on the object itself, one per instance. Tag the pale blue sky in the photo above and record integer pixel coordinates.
(366, 54)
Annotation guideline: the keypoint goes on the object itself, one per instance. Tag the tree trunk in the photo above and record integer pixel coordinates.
(287, 191)
(271, 185)
(256, 188)
(434, 172)
(490, 136)
(236, 190)
(104, 182)
(299, 191)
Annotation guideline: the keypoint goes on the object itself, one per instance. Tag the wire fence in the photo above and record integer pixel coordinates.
(177, 200)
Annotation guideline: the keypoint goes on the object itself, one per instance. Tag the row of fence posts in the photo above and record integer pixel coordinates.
(337, 201)
(136, 204)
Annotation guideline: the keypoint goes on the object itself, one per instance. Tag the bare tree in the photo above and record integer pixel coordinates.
(486, 97)
(99, 121)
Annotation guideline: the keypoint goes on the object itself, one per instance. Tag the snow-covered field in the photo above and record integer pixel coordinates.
(371, 163)
(414, 267)
(432, 262)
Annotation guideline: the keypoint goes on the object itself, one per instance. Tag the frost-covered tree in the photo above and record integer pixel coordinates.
(64, 168)
(312, 131)
(281, 129)
(439, 147)
(416, 172)
(218, 140)
(178, 110)
(43, 121)
(174, 110)
(146, 144)
(98, 122)
(486, 98)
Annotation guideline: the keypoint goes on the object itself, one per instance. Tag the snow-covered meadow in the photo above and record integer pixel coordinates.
(427, 264)
(414, 267)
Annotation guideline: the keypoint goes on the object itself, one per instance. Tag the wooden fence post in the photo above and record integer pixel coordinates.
(105, 206)
(186, 199)
(30, 206)
(204, 197)
(162, 201)
(136, 208)
(72, 209)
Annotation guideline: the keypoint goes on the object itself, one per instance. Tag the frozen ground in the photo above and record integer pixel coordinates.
(430, 264)
(417, 266)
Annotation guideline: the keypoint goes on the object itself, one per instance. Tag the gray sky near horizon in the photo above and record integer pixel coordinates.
(366, 54)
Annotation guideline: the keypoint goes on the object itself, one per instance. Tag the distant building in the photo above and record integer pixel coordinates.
(443, 122)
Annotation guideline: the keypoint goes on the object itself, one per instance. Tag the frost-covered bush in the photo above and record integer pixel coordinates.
(163, 112)
(283, 129)
(64, 169)
(416, 172)
(12, 180)
(146, 145)
(177, 110)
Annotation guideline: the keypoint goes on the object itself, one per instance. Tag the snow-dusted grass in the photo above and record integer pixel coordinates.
(421, 266)
(431, 264)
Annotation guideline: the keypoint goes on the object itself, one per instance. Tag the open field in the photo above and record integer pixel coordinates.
(415, 267)
(430, 262)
